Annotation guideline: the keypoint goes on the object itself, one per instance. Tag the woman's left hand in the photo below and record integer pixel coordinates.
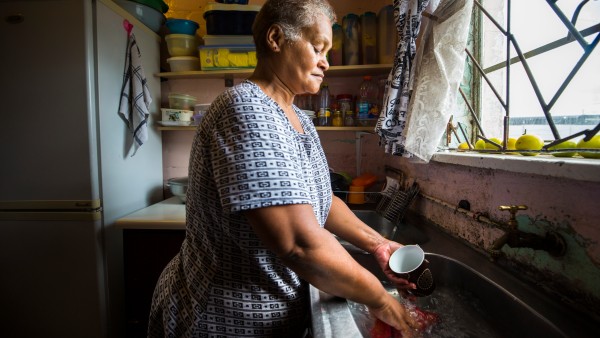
(382, 254)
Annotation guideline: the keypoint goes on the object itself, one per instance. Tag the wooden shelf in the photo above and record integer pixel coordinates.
(358, 70)
(370, 129)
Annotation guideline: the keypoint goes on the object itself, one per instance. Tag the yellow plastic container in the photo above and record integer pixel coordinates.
(227, 57)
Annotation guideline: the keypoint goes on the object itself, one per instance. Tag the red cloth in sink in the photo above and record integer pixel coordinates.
(424, 318)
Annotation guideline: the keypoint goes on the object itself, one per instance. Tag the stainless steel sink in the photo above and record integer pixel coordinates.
(473, 298)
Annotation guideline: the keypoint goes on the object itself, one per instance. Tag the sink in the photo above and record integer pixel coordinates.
(486, 301)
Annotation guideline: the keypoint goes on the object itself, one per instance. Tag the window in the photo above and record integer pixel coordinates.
(541, 36)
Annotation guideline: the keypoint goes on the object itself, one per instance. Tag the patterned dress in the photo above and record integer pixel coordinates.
(224, 282)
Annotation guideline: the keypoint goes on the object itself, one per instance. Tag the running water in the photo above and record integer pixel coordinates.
(460, 314)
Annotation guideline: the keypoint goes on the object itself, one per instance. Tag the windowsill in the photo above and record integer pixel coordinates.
(581, 169)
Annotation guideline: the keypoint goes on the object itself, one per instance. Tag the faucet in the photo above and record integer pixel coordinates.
(552, 242)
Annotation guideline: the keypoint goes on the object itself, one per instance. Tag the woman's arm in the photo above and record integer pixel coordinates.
(293, 234)
(345, 224)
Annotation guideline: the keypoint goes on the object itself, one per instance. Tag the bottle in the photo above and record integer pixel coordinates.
(386, 35)
(336, 52)
(368, 110)
(324, 106)
(350, 26)
(368, 33)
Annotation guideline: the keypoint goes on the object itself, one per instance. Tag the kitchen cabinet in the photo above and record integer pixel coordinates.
(146, 253)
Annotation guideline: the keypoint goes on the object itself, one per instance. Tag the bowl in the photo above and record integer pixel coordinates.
(147, 15)
(177, 115)
(181, 101)
(183, 63)
(182, 44)
(178, 187)
(182, 26)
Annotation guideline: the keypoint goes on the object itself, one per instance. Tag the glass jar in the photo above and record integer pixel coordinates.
(349, 119)
(337, 120)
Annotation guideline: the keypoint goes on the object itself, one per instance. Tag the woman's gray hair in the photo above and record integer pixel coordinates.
(291, 15)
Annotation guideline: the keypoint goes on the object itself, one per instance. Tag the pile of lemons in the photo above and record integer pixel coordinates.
(529, 144)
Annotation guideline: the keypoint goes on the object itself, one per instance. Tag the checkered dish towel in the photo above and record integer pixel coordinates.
(135, 95)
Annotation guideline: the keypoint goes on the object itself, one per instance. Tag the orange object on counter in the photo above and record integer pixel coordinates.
(356, 195)
(364, 180)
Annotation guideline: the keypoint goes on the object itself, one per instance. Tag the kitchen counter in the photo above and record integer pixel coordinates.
(166, 215)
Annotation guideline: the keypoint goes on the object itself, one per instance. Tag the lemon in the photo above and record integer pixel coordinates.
(594, 143)
(463, 146)
(491, 146)
(510, 145)
(480, 144)
(529, 142)
(562, 145)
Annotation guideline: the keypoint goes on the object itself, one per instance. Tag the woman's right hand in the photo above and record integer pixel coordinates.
(393, 313)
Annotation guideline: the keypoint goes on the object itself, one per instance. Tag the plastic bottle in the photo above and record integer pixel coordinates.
(368, 33)
(350, 26)
(368, 110)
(386, 35)
(325, 106)
(336, 53)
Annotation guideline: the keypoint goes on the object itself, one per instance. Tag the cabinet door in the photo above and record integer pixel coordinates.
(147, 252)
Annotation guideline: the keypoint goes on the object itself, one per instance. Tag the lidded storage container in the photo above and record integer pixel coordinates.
(230, 19)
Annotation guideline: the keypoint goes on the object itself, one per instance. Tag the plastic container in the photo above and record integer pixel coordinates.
(368, 34)
(149, 16)
(387, 35)
(368, 110)
(350, 26)
(176, 115)
(182, 44)
(228, 40)
(199, 111)
(356, 195)
(325, 118)
(227, 57)
(181, 101)
(183, 63)
(159, 5)
(230, 19)
(182, 26)
(336, 54)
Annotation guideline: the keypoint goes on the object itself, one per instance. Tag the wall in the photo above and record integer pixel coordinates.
(567, 206)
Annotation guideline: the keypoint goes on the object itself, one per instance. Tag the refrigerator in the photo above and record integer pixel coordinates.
(66, 172)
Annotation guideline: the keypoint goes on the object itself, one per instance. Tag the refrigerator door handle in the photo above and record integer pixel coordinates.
(58, 210)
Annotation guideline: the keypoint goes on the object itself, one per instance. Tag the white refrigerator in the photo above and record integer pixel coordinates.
(66, 171)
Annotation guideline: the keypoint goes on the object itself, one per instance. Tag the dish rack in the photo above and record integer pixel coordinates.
(394, 203)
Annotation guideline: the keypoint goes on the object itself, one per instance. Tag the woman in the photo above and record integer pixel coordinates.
(260, 212)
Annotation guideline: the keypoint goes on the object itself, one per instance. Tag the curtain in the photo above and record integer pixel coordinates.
(422, 87)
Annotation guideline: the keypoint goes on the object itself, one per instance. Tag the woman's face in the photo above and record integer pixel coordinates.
(305, 60)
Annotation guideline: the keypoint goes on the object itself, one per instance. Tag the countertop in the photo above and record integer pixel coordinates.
(166, 215)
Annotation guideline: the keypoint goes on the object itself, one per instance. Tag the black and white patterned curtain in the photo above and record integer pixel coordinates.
(393, 116)
(422, 87)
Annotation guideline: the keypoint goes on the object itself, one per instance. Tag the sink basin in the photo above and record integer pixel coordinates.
(482, 302)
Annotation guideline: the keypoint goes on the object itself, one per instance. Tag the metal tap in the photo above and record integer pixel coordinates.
(552, 242)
